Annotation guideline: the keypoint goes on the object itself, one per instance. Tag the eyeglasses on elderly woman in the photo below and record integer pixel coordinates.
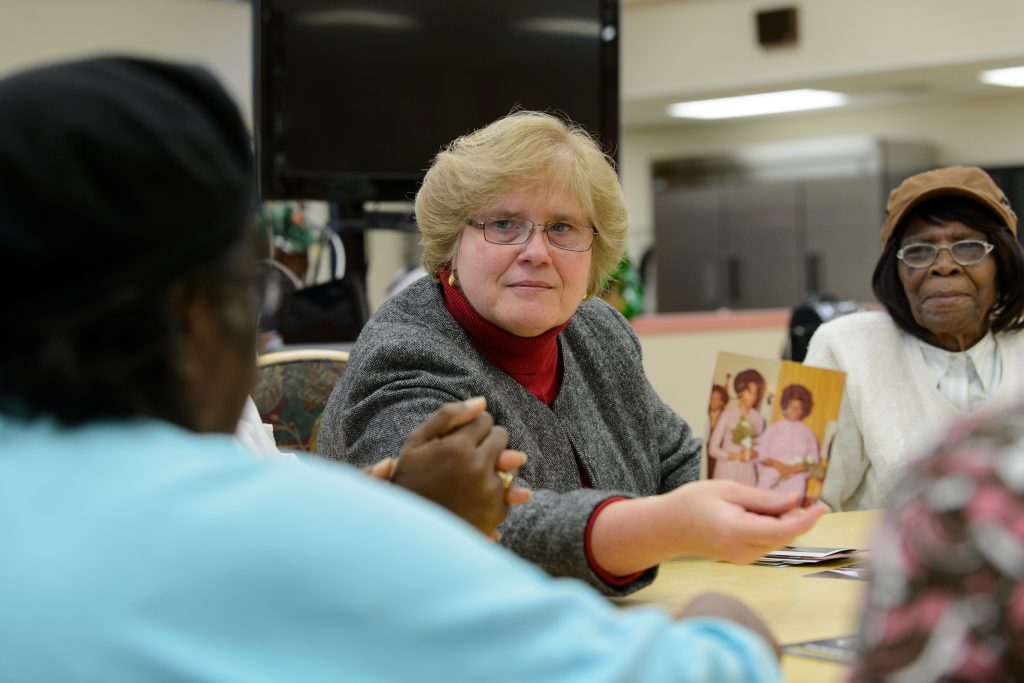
(964, 252)
(511, 231)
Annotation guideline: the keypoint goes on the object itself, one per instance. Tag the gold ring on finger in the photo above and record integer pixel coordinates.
(506, 478)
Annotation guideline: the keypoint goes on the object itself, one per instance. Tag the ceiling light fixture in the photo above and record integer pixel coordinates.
(757, 105)
(1011, 78)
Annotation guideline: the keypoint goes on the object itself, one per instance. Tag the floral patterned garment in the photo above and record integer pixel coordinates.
(946, 599)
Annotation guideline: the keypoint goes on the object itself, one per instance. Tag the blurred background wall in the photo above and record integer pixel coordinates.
(909, 65)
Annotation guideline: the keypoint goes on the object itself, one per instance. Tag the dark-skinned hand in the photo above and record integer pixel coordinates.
(453, 459)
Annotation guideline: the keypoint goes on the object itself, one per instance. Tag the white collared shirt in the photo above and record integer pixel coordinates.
(967, 379)
(256, 436)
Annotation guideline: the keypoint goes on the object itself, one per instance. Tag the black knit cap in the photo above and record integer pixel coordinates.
(115, 173)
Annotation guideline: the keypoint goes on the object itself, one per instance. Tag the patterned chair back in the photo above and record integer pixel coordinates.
(292, 388)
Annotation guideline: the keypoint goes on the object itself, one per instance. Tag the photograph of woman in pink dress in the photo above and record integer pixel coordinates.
(716, 404)
(786, 454)
(732, 440)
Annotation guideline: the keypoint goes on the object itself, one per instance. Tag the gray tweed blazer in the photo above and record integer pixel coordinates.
(412, 356)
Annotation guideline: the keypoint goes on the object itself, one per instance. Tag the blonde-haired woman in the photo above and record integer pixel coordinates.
(521, 221)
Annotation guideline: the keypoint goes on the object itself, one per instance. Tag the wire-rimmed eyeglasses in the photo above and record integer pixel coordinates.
(964, 252)
(511, 231)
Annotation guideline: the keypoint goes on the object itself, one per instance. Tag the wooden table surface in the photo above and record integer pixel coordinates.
(795, 607)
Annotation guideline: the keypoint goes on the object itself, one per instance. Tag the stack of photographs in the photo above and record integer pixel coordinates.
(791, 555)
(858, 571)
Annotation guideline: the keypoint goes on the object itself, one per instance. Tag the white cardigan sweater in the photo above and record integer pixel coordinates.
(892, 410)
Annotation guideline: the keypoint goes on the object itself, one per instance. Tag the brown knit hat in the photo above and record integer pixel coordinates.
(961, 181)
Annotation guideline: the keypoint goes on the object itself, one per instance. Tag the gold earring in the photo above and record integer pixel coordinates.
(452, 279)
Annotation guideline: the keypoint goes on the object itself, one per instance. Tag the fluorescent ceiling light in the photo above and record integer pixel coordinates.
(756, 105)
(1011, 78)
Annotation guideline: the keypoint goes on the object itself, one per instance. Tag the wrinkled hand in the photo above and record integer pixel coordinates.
(729, 521)
(453, 459)
(721, 606)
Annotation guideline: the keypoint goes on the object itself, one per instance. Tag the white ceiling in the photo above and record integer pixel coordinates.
(941, 82)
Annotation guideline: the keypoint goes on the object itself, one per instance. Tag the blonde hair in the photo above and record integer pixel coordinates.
(523, 150)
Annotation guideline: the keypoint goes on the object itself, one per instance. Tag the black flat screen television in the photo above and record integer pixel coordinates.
(353, 98)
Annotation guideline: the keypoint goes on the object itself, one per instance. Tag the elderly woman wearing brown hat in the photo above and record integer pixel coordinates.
(951, 277)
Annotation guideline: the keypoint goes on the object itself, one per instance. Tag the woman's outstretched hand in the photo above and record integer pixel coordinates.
(714, 518)
(459, 460)
(729, 521)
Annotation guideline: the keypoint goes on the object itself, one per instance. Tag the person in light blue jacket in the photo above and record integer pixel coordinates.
(141, 543)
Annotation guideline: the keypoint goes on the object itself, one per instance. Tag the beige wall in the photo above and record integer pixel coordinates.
(687, 46)
(680, 365)
(213, 34)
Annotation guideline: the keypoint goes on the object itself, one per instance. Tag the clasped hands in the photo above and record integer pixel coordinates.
(459, 460)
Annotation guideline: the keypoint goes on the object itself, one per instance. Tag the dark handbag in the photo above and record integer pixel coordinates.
(331, 312)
